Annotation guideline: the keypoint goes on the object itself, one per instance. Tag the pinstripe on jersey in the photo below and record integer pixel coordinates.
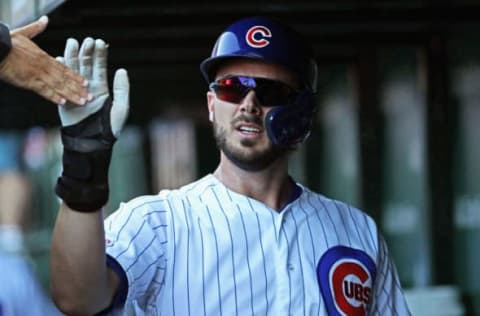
(206, 250)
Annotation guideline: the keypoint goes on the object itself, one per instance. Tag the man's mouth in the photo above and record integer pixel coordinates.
(249, 129)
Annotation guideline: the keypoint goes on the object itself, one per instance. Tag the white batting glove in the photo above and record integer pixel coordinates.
(89, 132)
(91, 62)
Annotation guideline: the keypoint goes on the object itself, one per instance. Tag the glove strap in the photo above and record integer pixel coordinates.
(87, 151)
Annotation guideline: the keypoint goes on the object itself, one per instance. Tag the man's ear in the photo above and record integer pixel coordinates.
(211, 105)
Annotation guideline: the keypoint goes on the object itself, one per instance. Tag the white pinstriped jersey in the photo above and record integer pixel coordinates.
(206, 250)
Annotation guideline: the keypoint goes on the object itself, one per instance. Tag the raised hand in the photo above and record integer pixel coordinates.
(91, 62)
(89, 132)
(28, 66)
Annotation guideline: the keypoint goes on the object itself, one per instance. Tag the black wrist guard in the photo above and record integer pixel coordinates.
(87, 150)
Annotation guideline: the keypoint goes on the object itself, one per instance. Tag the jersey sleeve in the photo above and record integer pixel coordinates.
(136, 238)
(388, 297)
(5, 41)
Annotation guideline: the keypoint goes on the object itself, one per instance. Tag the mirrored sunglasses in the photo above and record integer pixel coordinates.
(268, 92)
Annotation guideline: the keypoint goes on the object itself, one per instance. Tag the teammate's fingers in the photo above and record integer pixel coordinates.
(33, 29)
(71, 88)
(71, 54)
(121, 95)
(68, 83)
(64, 81)
(49, 93)
(70, 74)
(100, 61)
(86, 57)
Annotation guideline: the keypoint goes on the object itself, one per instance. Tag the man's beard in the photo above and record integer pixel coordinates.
(248, 160)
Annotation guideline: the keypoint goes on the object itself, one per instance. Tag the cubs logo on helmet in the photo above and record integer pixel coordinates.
(346, 277)
(257, 36)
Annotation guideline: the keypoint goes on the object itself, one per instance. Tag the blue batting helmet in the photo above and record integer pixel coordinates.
(264, 39)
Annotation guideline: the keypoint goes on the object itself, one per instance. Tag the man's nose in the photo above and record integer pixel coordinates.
(250, 104)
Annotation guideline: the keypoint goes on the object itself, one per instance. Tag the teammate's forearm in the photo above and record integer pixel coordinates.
(79, 276)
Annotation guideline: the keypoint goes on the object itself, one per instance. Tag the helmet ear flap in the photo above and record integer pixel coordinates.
(289, 125)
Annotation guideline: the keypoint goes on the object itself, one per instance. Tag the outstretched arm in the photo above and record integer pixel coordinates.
(81, 282)
(27, 66)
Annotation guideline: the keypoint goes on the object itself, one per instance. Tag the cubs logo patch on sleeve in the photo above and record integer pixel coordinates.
(346, 277)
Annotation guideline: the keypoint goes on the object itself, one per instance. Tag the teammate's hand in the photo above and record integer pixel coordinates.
(91, 62)
(28, 66)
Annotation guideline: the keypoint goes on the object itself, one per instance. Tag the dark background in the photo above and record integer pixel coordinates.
(161, 43)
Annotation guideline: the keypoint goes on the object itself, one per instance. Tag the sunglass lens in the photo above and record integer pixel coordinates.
(230, 90)
(273, 93)
(268, 92)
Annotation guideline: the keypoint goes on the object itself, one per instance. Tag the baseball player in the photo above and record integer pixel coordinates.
(243, 240)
